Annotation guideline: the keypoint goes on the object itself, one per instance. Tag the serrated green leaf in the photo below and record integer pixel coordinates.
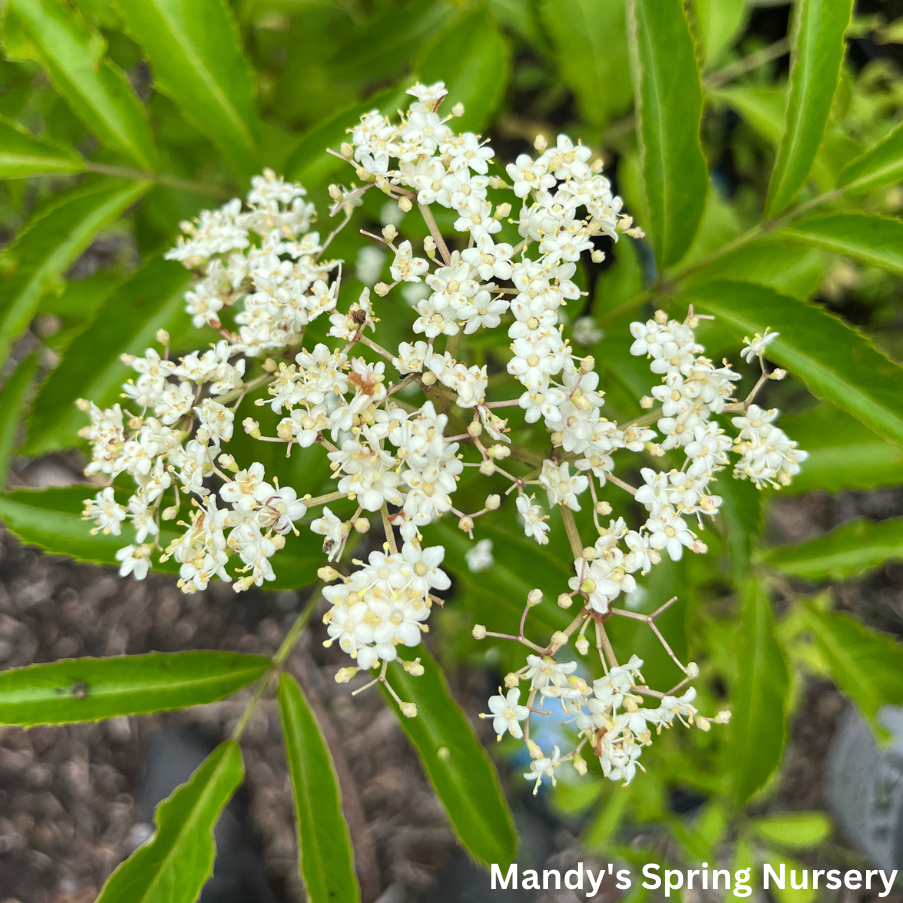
(877, 240)
(793, 830)
(13, 399)
(669, 108)
(879, 166)
(843, 454)
(174, 864)
(836, 362)
(50, 242)
(21, 154)
(757, 726)
(92, 689)
(74, 55)
(457, 765)
(865, 664)
(51, 520)
(718, 24)
(848, 550)
(590, 46)
(327, 860)
(818, 47)
(195, 52)
(473, 58)
(127, 322)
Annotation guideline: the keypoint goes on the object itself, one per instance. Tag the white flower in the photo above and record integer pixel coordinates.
(134, 560)
(757, 345)
(106, 512)
(479, 558)
(507, 714)
(534, 521)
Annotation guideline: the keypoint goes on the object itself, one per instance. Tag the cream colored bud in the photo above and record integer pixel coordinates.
(409, 710)
(335, 192)
(475, 429)
(284, 429)
(362, 174)
(655, 450)
(428, 378)
(346, 149)
(478, 632)
(487, 468)
(603, 508)
(557, 437)
(414, 668)
(496, 182)
(660, 317)
(127, 359)
(579, 764)
(511, 680)
(565, 601)
(502, 211)
(458, 110)
(381, 289)
(362, 525)
(559, 638)
(227, 462)
(588, 364)
(540, 143)
(534, 749)
(170, 513)
(534, 597)
(343, 675)
(270, 365)
(723, 717)
(589, 553)
(327, 573)
(465, 524)
(429, 245)
(646, 402)
(493, 502)
(703, 723)
(777, 374)
(390, 233)
(405, 205)
(582, 645)
(597, 256)
(162, 336)
(692, 670)
(251, 427)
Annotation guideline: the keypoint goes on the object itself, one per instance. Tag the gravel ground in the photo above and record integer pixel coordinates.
(69, 810)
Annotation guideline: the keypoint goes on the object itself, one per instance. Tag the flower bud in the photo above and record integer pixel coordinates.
(646, 402)
(466, 524)
(540, 143)
(381, 289)
(390, 233)
(511, 680)
(502, 211)
(251, 427)
(227, 462)
(703, 723)
(327, 574)
(362, 525)
(284, 429)
(428, 378)
(335, 192)
(475, 429)
(170, 513)
(405, 205)
(414, 668)
(458, 110)
(346, 149)
(493, 502)
(588, 364)
(579, 764)
(487, 468)
(478, 632)
(597, 256)
(162, 336)
(534, 597)
(589, 554)
(534, 749)
(565, 601)
(582, 645)
(559, 638)
(343, 675)
(692, 670)
(723, 717)
(409, 710)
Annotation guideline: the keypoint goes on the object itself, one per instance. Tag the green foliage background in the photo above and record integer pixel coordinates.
(761, 151)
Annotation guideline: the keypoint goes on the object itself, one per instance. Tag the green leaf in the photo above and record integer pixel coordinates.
(174, 864)
(879, 166)
(865, 664)
(669, 107)
(21, 154)
(92, 689)
(195, 52)
(836, 362)
(818, 47)
(127, 322)
(843, 454)
(590, 45)
(327, 860)
(310, 164)
(74, 55)
(473, 58)
(50, 242)
(793, 830)
(877, 240)
(759, 699)
(51, 520)
(457, 765)
(848, 550)
(718, 24)
(13, 399)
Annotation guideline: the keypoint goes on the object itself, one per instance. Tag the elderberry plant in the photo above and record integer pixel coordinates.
(401, 424)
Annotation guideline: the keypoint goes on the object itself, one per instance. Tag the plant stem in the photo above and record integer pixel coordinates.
(161, 178)
(747, 64)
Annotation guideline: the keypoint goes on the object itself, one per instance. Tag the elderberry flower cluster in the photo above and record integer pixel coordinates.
(403, 427)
